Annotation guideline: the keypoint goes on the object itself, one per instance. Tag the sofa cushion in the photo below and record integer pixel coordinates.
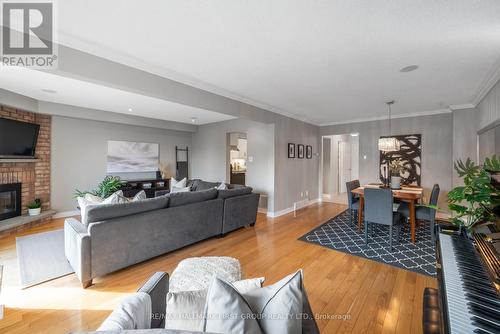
(108, 211)
(197, 185)
(134, 312)
(234, 192)
(183, 198)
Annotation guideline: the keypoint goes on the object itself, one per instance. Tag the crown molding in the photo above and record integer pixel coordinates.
(380, 118)
(487, 83)
(462, 106)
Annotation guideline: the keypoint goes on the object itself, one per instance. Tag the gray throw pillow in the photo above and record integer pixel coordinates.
(276, 308)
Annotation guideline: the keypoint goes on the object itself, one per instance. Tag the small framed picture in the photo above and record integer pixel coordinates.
(300, 149)
(291, 150)
(309, 152)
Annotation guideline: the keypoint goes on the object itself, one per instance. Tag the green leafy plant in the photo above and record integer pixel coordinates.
(474, 201)
(396, 167)
(106, 188)
(37, 203)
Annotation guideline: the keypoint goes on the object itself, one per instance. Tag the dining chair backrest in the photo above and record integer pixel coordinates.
(351, 185)
(378, 206)
(434, 195)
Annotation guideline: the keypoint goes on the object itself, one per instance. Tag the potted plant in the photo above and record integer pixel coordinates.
(35, 207)
(106, 188)
(475, 200)
(395, 168)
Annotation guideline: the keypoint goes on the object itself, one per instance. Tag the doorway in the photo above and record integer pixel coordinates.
(340, 164)
(236, 153)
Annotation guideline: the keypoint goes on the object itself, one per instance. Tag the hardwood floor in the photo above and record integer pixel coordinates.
(350, 294)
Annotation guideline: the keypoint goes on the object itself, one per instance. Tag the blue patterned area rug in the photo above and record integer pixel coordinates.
(339, 235)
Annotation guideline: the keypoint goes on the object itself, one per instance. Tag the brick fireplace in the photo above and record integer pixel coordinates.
(34, 176)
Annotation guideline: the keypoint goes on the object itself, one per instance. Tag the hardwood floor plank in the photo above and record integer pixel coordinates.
(378, 298)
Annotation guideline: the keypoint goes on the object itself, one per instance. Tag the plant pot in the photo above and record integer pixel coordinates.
(34, 212)
(395, 182)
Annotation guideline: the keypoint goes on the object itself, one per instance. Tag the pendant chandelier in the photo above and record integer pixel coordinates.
(389, 144)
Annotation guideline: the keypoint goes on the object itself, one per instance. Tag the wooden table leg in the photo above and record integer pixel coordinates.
(360, 212)
(412, 220)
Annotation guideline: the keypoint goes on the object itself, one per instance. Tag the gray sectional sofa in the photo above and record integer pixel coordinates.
(115, 236)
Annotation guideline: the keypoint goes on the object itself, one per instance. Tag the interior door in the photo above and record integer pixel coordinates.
(344, 165)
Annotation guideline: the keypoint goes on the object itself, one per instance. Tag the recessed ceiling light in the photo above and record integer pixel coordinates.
(354, 134)
(194, 119)
(129, 109)
(409, 68)
(51, 91)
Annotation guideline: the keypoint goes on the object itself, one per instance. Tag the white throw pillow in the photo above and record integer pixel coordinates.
(222, 186)
(141, 195)
(180, 190)
(277, 308)
(134, 312)
(85, 202)
(177, 184)
(185, 309)
(93, 198)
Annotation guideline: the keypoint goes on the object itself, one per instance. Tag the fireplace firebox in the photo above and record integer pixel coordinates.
(10, 200)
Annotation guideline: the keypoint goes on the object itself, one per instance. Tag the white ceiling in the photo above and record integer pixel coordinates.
(88, 95)
(324, 60)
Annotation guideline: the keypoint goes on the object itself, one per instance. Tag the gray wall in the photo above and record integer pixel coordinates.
(293, 176)
(464, 138)
(271, 172)
(79, 149)
(437, 146)
(209, 157)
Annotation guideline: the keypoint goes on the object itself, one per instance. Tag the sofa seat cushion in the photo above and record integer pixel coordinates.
(103, 212)
(196, 273)
(184, 198)
(239, 191)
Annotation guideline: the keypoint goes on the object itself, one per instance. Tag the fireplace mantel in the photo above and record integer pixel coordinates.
(17, 160)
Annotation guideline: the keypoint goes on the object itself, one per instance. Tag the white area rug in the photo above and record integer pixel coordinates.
(41, 257)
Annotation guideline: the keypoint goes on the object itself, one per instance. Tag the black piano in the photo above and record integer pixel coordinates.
(468, 296)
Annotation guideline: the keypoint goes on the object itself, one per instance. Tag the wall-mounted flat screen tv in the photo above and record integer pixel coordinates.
(17, 139)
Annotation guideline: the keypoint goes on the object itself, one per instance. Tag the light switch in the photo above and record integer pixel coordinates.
(250, 158)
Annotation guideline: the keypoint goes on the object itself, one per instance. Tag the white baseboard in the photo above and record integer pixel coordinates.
(64, 214)
(262, 210)
(303, 204)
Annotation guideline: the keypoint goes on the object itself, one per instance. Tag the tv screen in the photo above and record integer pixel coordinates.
(17, 139)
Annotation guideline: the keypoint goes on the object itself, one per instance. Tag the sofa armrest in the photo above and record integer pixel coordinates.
(157, 288)
(77, 249)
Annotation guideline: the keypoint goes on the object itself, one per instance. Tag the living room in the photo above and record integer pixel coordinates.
(303, 171)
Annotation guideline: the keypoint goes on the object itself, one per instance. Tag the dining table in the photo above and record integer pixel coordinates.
(409, 194)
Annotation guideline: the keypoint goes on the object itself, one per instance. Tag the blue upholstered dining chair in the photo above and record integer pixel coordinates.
(378, 210)
(424, 213)
(352, 200)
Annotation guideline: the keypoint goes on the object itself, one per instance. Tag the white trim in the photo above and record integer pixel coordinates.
(380, 118)
(462, 106)
(64, 214)
(262, 210)
(487, 84)
(274, 214)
